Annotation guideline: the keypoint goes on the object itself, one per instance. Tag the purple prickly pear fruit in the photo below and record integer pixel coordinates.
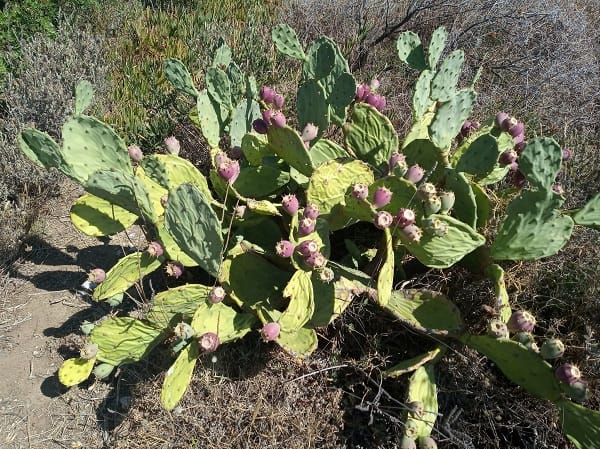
(408, 443)
(414, 173)
(382, 197)
(435, 227)
(374, 84)
(500, 117)
(405, 217)
(278, 119)
(89, 351)
(155, 249)
(372, 100)
(567, 154)
(416, 409)
(518, 179)
(239, 211)
(236, 152)
(383, 219)
(577, 391)
(221, 158)
(174, 269)
(508, 123)
(209, 342)
(284, 248)
(426, 191)
(306, 226)
(427, 443)
(270, 332)
(278, 101)
(316, 260)
(135, 153)
(557, 188)
(514, 167)
(260, 126)
(229, 171)
(567, 373)
(447, 199)
(412, 233)
(367, 90)
(381, 104)
(360, 191)
(521, 321)
(519, 139)
(517, 129)
(307, 247)
(217, 294)
(497, 329)
(267, 94)
(552, 348)
(96, 275)
(172, 145)
(508, 157)
(397, 164)
(519, 147)
(432, 205)
(183, 331)
(309, 132)
(290, 204)
(326, 275)
(267, 115)
(475, 125)
(311, 211)
(163, 200)
(360, 93)
(465, 129)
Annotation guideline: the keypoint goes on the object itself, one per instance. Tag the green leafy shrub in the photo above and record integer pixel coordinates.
(261, 227)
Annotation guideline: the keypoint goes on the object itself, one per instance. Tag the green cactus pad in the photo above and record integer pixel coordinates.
(179, 376)
(436, 46)
(581, 425)
(480, 157)
(422, 388)
(262, 207)
(84, 94)
(237, 82)
(425, 310)
(424, 153)
(463, 146)
(521, 365)
(496, 175)
(287, 144)
(370, 135)
(300, 343)
(540, 162)
(260, 181)
(410, 365)
(195, 227)
(43, 150)
(532, 227)
(209, 118)
(328, 184)
(502, 304)
(155, 191)
(589, 215)
(465, 206)
(218, 86)
(75, 371)
(443, 252)
(97, 217)
(450, 117)
(124, 340)
(410, 50)
(331, 299)
(320, 235)
(301, 305)
(420, 100)
(260, 230)
(224, 321)
(177, 74)
(254, 280)
(419, 129)
(125, 273)
(179, 302)
(255, 148)
(90, 145)
(443, 85)
(222, 57)
(123, 190)
(286, 41)
(321, 61)
(484, 206)
(172, 250)
(344, 90)
(241, 122)
(325, 150)
(171, 171)
(385, 279)
(312, 107)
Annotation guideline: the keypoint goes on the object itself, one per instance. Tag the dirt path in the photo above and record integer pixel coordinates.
(39, 311)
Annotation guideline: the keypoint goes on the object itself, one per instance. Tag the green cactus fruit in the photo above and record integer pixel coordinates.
(435, 227)
(86, 327)
(578, 391)
(410, 50)
(103, 370)
(75, 371)
(497, 329)
(88, 351)
(408, 443)
(447, 201)
(178, 376)
(286, 41)
(552, 348)
(427, 443)
(180, 78)
(183, 331)
(115, 300)
(84, 94)
(525, 338)
(432, 205)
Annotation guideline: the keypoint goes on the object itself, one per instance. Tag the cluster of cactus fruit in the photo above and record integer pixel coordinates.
(260, 227)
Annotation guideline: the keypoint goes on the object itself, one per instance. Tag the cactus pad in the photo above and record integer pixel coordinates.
(97, 217)
(581, 425)
(325, 150)
(443, 85)
(179, 376)
(287, 42)
(210, 119)
(480, 157)
(224, 321)
(422, 388)
(174, 252)
(84, 94)
(222, 56)
(218, 86)
(175, 302)
(450, 117)
(43, 150)
(589, 215)
(300, 343)
(312, 106)
(483, 202)
(420, 100)
(540, 162)
(410, 50)
(127, 271)
(241, 122)
(436, 46)
(288, 145)
(385, 280)
(301, 305)
(255, 148)
(465, 206)
(195, 226)
(407, 366)
(502, 305)
(177, 74)
(75, 371)
(260, 181)
(171, 171)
